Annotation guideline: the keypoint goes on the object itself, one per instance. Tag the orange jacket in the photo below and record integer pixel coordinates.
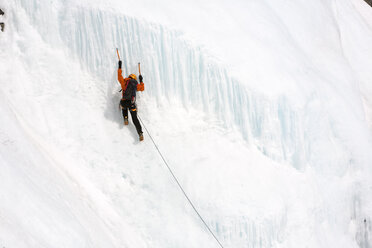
(121, 80)
(124, 81)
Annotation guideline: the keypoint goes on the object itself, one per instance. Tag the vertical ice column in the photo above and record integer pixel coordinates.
(174, 68)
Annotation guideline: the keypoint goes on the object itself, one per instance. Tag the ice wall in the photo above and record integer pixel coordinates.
(174, 68)
(302, 132)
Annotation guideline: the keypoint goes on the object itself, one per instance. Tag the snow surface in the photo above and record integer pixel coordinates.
(262, 108)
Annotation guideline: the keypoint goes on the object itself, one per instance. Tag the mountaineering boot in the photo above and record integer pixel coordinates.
(126, 121)
(141, 136)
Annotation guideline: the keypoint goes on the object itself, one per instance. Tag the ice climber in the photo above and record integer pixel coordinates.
(128, 100)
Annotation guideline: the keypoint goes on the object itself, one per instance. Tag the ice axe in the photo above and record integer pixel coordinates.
(141, 86)
(117, 51)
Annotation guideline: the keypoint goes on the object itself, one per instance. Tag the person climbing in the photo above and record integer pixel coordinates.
(128, 100)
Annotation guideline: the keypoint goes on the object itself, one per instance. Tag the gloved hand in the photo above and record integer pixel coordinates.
(140, 78)
(133, 101)
(119, 64)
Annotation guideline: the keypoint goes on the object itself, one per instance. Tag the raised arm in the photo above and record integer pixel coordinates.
(120, 76)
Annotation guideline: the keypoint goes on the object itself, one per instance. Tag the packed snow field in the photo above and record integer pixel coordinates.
(263, 109)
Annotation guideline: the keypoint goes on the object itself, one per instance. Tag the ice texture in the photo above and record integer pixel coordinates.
(265, 117)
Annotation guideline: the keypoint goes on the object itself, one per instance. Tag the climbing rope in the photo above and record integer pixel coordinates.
(179, 185)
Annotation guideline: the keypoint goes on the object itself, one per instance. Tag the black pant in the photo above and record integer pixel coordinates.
(125, 105)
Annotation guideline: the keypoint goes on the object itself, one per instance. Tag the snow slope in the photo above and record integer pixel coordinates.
(263, 110)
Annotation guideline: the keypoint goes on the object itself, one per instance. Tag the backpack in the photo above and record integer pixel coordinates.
(130, 88)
